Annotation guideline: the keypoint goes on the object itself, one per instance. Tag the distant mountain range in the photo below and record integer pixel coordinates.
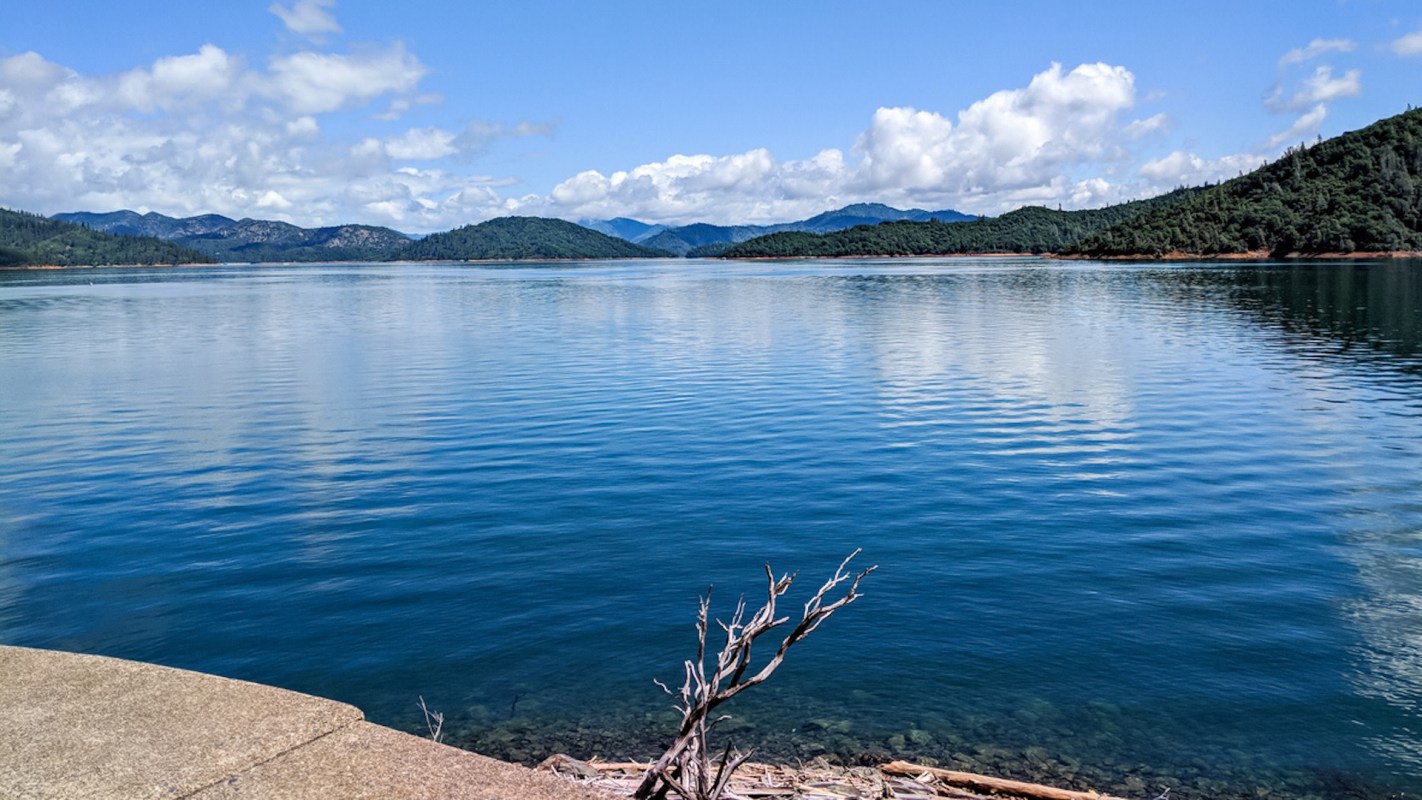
(254, 240)
(250, 239)
(703, 239)
(623, 228)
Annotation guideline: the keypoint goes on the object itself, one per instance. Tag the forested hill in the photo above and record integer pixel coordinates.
(1359, 192)
(29, 239)
(522, 238)
(1033, 229)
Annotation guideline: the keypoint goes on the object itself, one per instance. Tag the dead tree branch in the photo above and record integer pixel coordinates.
(688, 767)
(434, 721)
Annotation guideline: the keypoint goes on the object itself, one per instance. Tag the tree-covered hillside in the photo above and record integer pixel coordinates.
(1027, 230)
(29, 239)
(522, 238)
(1361, 191)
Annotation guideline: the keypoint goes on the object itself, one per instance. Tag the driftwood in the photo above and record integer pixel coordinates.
(688, 767)
(817, 780)
(990, 784)
(820, 780)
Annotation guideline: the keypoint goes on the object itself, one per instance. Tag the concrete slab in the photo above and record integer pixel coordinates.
(369, 762)
(74, 727)
(79, 726)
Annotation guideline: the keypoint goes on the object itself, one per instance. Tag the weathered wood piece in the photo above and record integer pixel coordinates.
(990, 784)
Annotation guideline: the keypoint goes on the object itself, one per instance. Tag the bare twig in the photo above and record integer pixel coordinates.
(434, 721)
(688, 767)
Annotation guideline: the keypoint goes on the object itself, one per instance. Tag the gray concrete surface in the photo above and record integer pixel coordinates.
(77, 726)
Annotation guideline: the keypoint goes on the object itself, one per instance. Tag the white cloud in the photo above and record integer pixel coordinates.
(30, 72)
(206, 75)
(1303, 127)
(399, 105)
(1010, 148)
(681, 188)
(1011, 139)
(317, 83)
(434, 143)
(1015, 146)
(1316, 48)
(1322, 87)
(1319, 87)
(307, 17)
(274, 200)
(206, 133)
(303, 127)
(1187, 169)
(1144, 127)
(423, 144)
(1409, 45)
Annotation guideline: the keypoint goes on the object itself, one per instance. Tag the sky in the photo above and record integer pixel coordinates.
(425, 116)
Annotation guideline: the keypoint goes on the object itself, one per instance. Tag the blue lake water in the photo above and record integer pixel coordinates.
(1137, 526)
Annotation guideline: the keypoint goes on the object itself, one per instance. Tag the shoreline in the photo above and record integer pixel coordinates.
(1167, 258)
(878, 255)
(1038, 754)
(1253, 255)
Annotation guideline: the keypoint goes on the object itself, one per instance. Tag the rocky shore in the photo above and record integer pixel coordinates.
(839, 747)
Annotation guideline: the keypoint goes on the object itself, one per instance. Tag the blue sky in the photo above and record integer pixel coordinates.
(424, 116)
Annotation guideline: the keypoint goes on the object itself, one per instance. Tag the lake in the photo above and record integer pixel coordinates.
(1137, 526)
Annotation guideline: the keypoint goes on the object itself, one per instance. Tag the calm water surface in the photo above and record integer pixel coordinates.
(1137, 526)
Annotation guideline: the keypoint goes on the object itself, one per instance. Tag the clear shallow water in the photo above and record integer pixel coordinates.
(1136, 526)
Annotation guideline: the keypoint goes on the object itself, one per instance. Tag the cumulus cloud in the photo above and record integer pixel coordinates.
(1187, 169)
(1409, 45)
(681, 188)
(1011, 139)
(308, 17)
(317, 83)
(1015, 146)
(171, 82)
(205, 132)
